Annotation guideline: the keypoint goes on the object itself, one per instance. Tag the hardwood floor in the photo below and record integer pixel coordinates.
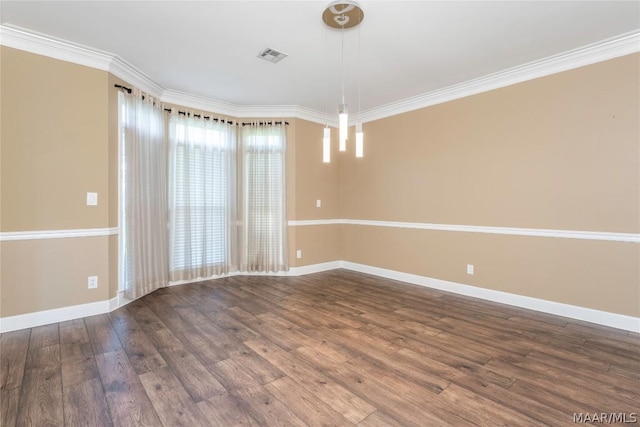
(335, 348)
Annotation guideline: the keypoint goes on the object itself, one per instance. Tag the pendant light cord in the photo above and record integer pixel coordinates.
(326, 66)
(342, 62)
(359, 77)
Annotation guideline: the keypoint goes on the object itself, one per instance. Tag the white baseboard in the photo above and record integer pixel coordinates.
(315, 268)
(293, 271)
(628, 323)
(46, 317)
(614, 320)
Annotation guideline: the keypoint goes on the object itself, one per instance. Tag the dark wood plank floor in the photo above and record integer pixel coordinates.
(334, 348)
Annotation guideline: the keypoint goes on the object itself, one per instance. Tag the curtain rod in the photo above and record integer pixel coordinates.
(184, 113)
(128, 89)
(265, 123)
(215, 119)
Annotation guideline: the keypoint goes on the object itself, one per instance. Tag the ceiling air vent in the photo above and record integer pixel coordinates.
(272, 55)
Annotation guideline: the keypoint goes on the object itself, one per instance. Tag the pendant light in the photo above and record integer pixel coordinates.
(326, 145)
(343, 14)
(359, 140)
(343, 130)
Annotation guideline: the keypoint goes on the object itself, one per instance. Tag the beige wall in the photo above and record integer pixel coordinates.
(45, 274)
(318, 243)
(556, 152)
(601, 275)
(54, 144)
(560, 152)
(313, 180)
(55, 149)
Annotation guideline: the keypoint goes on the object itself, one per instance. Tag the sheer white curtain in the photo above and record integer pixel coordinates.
(262, 200)
(144, 225)
(201, 197)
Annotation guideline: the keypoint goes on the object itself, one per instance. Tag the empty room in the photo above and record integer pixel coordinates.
(314, 213)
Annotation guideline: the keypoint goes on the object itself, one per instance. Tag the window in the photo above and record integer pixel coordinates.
(200, 197)
(198, 201)
(263, 198)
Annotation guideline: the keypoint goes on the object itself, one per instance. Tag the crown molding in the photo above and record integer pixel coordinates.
(127, 72)
(201, 103)
(46, 45)
(621, 45)
(42, 44)
(239, 111)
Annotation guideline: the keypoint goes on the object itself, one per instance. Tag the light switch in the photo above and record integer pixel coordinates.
(92, 199)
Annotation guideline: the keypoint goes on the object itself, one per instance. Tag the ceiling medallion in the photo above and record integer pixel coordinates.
(343, 14)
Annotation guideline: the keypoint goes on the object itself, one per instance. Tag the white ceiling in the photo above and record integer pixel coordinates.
(408, 48)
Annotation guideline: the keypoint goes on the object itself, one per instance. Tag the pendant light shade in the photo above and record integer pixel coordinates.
(343, 119)
(359, 141)
(326, 145)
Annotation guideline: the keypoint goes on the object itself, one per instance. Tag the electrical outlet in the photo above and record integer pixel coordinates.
(92, 199)
(318, 203)
(298, 254)
(470, 269)
(92, 282)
